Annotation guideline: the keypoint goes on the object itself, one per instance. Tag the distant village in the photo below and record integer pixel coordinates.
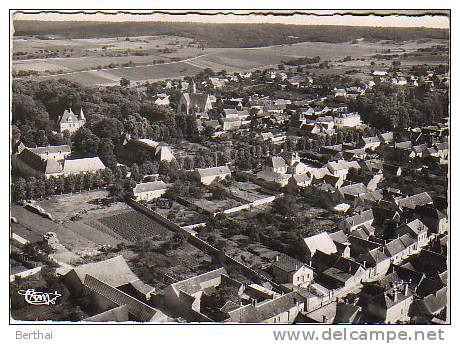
(303, 212)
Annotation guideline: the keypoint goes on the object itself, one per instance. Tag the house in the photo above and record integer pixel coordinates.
(191, 102)
(334, 313)
(104, 297)
(391, 170)
(208, 175)
(289, 270)
(387, 137)
(339, 92)
(391, 305)
(162, 100)
(117, 314)
(70, 121)
(283, 309)
(347, 120)
(353, 222)
(57, 153)
(231, 124)
(149, 191)
(379, 73)
(319, 242)
(84, 165)
(137, 149)
(163, 153)
(399, 248)
(28, 164)
(370, 143)
(301, 180)
(353, 191)
(340, 168)
(413, 201)
(417, 230)
(430, 306)
(275, 164)
(218, 83)
(376, 263)
(185, 297)
(434, 219)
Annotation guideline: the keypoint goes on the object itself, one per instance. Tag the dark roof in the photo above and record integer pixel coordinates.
(412, 201)
(359, 219)
(287, 263)
(395, 247)
(46, 166)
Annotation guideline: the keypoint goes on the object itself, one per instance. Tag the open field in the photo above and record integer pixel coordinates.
(83, 66)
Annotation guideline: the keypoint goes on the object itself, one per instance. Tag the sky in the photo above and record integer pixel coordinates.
(322, 18)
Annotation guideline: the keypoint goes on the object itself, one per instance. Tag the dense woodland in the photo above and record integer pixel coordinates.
(226, 35)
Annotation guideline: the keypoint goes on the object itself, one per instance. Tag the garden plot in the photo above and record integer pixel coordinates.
(133, 226)
(180, 214)
(212, 205)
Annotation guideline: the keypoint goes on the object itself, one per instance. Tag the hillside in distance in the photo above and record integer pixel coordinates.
(226, 35)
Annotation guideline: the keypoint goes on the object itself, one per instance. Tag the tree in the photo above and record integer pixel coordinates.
(135, 173)
(50, 186)
(70, 183)
(124, 82)
(19, 189)
(286, 205)
(30, 187)
(59, 184)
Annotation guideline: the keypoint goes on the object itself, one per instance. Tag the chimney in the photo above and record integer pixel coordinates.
(364, 264)
(406, 289)
(277, 257)
(296, 267)
(395, 293)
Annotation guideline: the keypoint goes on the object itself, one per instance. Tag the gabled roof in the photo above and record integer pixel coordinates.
(403, 145)
(300, 178)
(39, 164)
(50, 149)
(412, 201)
(354, 189)
(114, 271)
(320, 242)
(194, 284)
(68, 116)
(138, 309)
(414, 228)
(395, 247)
(359, 219)
(287, 263)
(83, 165)
(150, 186)
(276, 162)
(371, 139)
(213, 171)
(118, 314)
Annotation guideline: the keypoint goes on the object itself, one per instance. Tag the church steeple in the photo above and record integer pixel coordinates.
(82, 116)
(193, 86)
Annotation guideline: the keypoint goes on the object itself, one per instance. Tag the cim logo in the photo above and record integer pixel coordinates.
(38, 298)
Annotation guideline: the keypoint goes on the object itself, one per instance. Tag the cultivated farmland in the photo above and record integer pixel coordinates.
(133, 225)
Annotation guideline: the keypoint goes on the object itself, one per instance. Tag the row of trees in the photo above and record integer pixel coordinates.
(36, 188)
